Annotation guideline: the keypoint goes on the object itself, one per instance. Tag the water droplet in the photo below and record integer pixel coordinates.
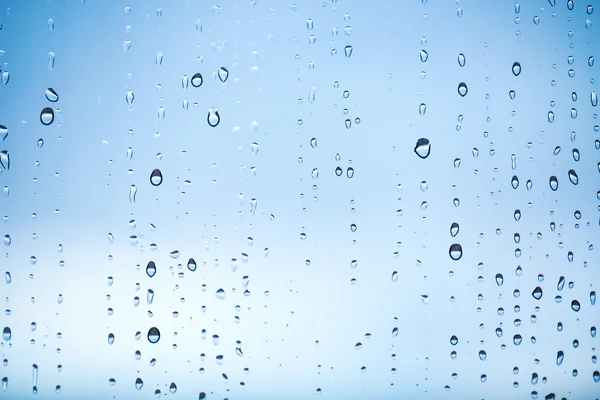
(517, 339)
(550, 116)
(132, 193)
(457, 162)
(594, 98)
(593, 298)
(482, 355)
(573, 177)
(315, 173)
(424, 56)
(423, 148)
(462, 89)
(348, 51)
(499, 279)
(596, 376)
(350, 172)
(47, 116)
(220, 294)
(455, 251)
(570, 5)
(173, 388)
(453, 340)
(516, 68)
(6, 77)
(553, 183)
(213, 117)
(514, 182)
(339, 171)
(575, 306)
(197, 80)
(51, 95)
(454, 228)
(512, 94)
(153, 335)
(557, 150)
(223, 74)
(537, 293)
(156, 177)
(129, 97)
(3, 132)
(461, 60)
(560, 356)
(4, 160)
(51, 59)
(139, 384)
(6, 333)
(191, 264)
(151, 269)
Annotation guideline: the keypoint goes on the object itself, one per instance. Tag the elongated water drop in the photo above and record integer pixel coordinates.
(514, 182)
(213, 117)
(191, 264)
(499, 279)
(151, 269)
(516, 69)
(423, 148)
(156, 177)
(573, 177)
(35, 371)
(139, 384)
(173, 388)
(424, 56)
(550, 116)
(593, 297)
(132, 193)
(129, 97)
(454, 229)
(553, 183)
(594, 98)
(560, 356)
(4, 161)
(223, 74)
(6, 333)
(422, 109)
(47, 116)
(51, 95)
(350, 172)
(575, 306)
(461, 60)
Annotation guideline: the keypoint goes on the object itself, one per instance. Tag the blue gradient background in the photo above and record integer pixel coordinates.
(301, 336)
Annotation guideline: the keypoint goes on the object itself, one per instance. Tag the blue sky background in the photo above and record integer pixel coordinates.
(303, 335)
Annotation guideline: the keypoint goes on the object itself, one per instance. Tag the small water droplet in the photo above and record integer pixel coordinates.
(461, 60)
(129, 97)
(462, 89)
(550, 116)
(173, 388)
(424, 56)
(51, 95)
(47, 116)
(156, 177)
(223, 74)
(348, 51)
(516, 68)
(454, 229)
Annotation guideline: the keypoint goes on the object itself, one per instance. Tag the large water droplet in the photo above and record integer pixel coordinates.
(573, 177)
(51, 95)
(499, 279)
(151, 269)
(213, 117)
(350, 172)
(139, 384)
(462, 89)
(3, 132)
(47, 116)
(575, 306)
(6, 333)
(553, 183)
(173, 388)
(191, 264)
(153, 335)
(423, 148)
(516, 68)
(223, 74)
(455, 251)
(197, 80)
(537, 293)
(220, 294)
(156, 177)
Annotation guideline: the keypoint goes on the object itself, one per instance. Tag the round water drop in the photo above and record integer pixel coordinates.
(6, 333)
(350, 172)
(573, 177)
(453, 340)
(454, 228)
(517, 339)
(423, 148)
(461, 60)
(197, 79)
(223, 74)
(516, 68)
(220, 294)
(51, 95)
(348, 51)
(482, 355)
(462, 89)
(553, 183)
(151, 269)
(213, 117)
(339, 171)
(153, 335)
(173, 388)
(455, 251)
(593, 298)
(499, 279)
(191, 264)
(537, 293)
(424, 56)
(139, 384)
(156, 177)
(575, 306)
(47, 116)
